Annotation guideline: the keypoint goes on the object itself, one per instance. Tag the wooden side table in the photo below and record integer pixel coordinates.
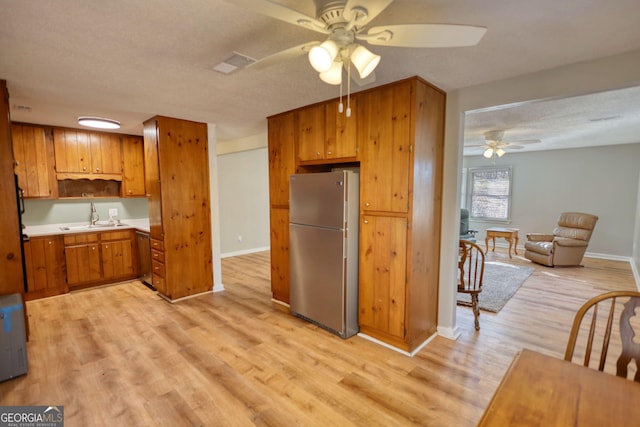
(509, 234)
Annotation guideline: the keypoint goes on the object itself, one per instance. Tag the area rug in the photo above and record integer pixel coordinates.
(500, 283)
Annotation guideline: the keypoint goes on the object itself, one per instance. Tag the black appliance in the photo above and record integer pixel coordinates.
(25, 238)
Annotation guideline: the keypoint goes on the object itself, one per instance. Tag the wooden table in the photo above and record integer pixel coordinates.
(509, 234)
(540, 390)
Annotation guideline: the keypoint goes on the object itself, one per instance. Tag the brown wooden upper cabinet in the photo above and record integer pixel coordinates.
(33, 152)
(387, 143)
(281, 157)
(133, 179)
(326, 134)
(92, 155)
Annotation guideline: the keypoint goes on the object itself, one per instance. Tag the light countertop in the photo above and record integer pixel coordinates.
(52, 229)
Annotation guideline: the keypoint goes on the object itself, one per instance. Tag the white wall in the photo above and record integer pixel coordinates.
(575, 79)
(636, 241)
(41, 212)
(244, 201)
(601, 180)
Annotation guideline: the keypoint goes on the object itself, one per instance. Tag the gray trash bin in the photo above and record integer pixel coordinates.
(13, 346)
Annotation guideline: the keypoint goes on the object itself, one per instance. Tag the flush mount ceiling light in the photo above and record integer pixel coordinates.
(98, 122)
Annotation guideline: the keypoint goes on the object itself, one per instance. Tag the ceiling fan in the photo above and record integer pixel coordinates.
(344, 24)
(494, 145)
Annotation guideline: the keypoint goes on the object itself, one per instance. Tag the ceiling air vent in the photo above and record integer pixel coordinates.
(233, 63)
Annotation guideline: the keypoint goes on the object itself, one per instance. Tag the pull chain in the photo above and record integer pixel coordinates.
(340, 106)
(349, 90)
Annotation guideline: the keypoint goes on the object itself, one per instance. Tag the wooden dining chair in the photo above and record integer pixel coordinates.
(600, 330)
(470, 274)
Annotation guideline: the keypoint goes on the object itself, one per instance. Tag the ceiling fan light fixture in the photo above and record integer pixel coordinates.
(364, 60)
(488, 153)
(321, 57)
(500, 152)
(98, 122)
(333, 75)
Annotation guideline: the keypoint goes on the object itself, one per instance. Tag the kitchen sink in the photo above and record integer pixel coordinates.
(98, 225)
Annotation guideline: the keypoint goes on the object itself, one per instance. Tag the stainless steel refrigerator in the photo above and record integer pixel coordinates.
(323, 247)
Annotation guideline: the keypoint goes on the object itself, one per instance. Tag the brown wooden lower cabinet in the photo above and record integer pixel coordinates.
(82, 255)
(383, 273)
(158, 271)
(99, 258)
(44, 259)
(116, 248)
(279, 218)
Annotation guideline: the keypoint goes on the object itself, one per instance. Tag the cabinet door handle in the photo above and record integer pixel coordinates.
(50, 242)
(330, 152)
(366, 204)
(366, 221)
(97, 169)
(84, 168)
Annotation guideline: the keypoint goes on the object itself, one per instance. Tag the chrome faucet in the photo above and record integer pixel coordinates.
(94, 215)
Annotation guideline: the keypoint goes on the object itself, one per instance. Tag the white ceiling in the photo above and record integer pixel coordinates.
(130, 60)
(605, 118)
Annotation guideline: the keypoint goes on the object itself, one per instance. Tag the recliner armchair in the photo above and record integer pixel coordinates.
(465, 233)
(568, 243)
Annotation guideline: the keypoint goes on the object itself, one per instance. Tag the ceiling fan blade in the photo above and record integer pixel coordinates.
(283, 13)
(523, 141)
(373, 8)
(476, 144)
(425, 35)
(473, 150)
(283, 55)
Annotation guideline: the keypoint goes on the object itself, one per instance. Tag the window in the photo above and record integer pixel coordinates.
(489, 193)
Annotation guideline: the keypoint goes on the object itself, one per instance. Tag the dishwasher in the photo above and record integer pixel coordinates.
(144, 255)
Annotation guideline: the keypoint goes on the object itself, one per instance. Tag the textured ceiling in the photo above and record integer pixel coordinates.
(130, 60)
(605, 118)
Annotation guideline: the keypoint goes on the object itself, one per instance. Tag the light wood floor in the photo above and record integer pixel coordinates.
(121, 355)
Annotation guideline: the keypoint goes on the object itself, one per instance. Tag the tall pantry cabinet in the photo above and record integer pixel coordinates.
(398, 146)
(401, 140)
(11, 273)
(177, 182)
(281, 166)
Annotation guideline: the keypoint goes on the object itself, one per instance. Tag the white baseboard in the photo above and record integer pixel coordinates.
(449, 333)
(636, 274)
(244, 252)
(389, 346)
